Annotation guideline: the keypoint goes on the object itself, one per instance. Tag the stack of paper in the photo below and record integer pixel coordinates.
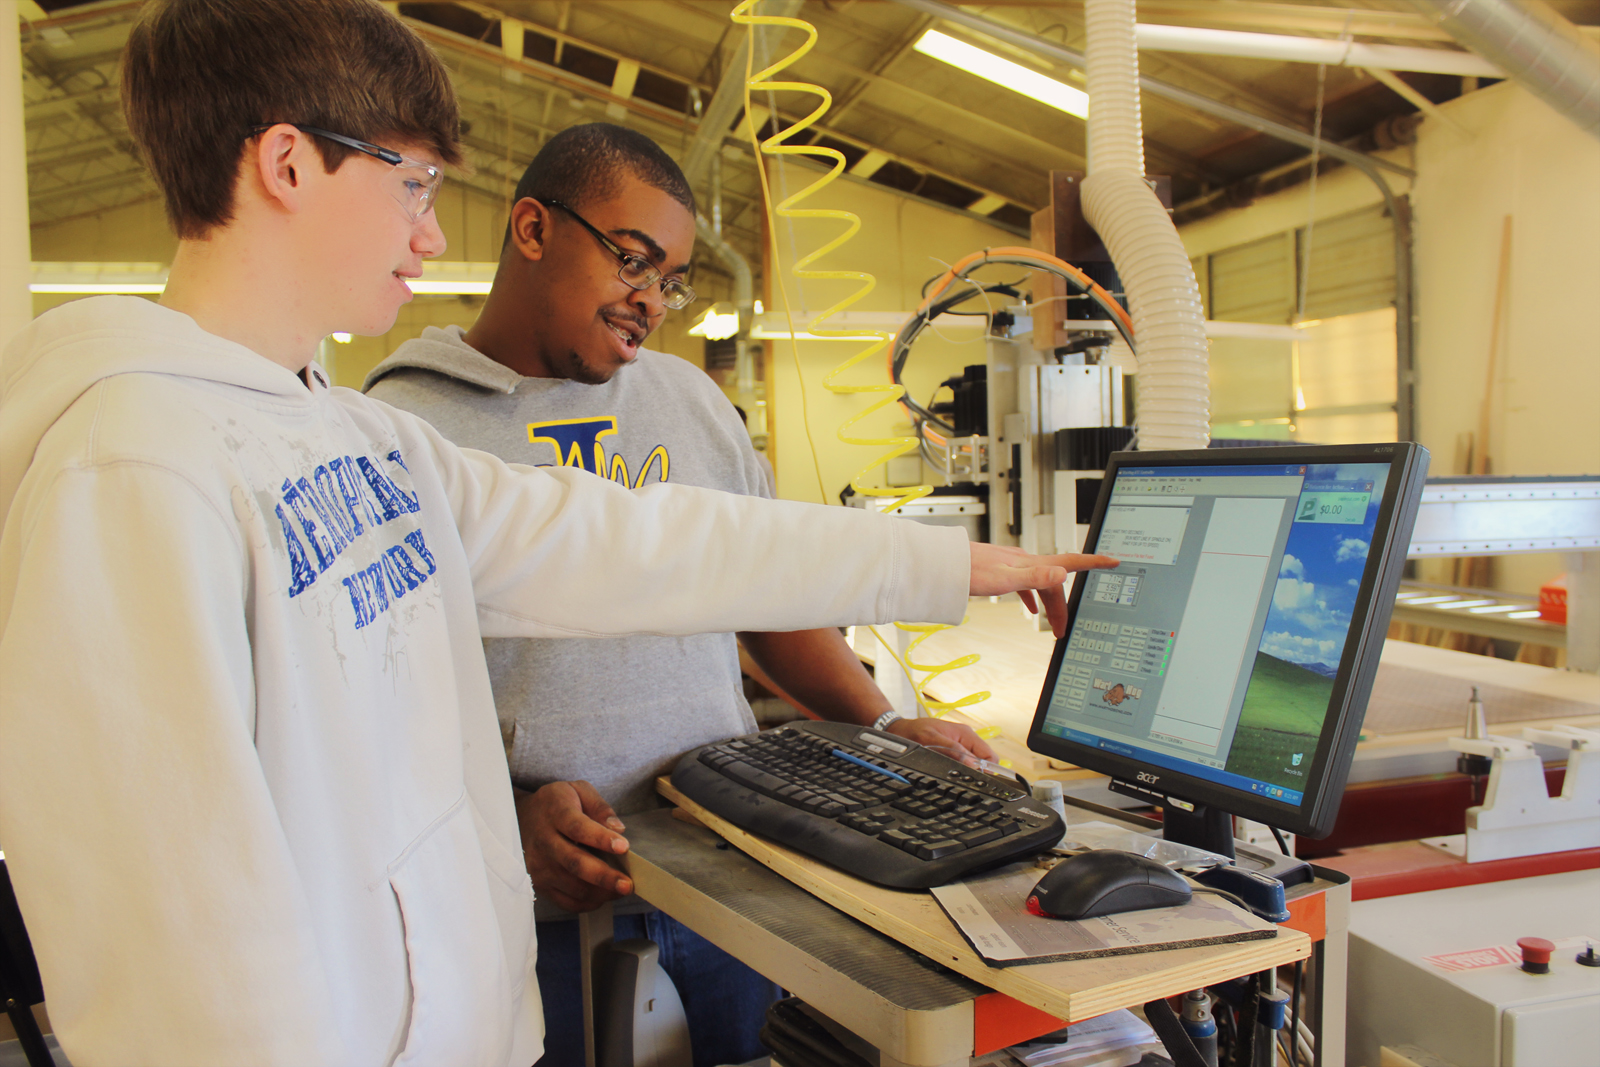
(1116, 1039)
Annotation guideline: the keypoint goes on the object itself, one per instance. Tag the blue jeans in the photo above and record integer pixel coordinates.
(725, 1001)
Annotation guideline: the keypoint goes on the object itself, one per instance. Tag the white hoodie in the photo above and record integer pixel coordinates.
(252, 789)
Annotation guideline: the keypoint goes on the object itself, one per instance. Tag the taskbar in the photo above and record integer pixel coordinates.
(1266, 790)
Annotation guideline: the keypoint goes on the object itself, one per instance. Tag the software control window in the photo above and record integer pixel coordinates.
(1215, 644)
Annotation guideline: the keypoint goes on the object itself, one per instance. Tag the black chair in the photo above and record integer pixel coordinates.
(20, 986)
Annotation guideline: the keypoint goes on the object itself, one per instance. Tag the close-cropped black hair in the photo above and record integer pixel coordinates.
(584, 164)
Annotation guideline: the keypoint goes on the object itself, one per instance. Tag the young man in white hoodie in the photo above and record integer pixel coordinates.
(252, 792)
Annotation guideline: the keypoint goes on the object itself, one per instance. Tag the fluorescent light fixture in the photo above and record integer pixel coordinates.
(150, 279)
(342, 337)
(716, 325)
(1466, 604)
(1004, 73)
(1523, 615)
(763, 333)
(1496, 609)
(99, 288)
(427, 287)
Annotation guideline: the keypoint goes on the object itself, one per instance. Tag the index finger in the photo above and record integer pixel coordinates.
(1077, 561)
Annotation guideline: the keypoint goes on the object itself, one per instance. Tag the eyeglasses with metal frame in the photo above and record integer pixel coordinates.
(420, 180)
(635, 270)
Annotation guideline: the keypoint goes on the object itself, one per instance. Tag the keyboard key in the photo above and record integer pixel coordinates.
(898, 839)
(756, 779)
(978, 837)
(934, 850)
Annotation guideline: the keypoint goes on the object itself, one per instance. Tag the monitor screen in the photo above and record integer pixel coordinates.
(1217, 658)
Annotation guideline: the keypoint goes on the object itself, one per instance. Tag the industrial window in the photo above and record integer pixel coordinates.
(1336, 384)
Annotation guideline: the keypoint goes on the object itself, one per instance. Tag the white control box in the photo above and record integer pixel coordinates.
(1441, 971)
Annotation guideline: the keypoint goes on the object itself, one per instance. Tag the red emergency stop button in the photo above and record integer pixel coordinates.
(1536, 954)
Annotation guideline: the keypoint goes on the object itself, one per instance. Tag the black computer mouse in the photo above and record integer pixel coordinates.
(1105, 882)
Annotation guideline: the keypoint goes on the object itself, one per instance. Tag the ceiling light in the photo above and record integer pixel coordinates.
(1004, 72)
(101, 288)
(1523, 615)
(716, 325)
(342, 337)
(428, 287)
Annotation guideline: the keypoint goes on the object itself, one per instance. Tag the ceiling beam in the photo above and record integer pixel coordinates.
(61, 219)
(483, 57)
(1302, 18)
(1175, 158)
(55, 105)
(81, 151)
(122, 179)
(865, 79)
(1282, 131)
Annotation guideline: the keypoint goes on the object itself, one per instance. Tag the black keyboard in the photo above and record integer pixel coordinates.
(878, 806)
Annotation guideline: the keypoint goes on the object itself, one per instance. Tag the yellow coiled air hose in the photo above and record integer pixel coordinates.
(886, 394)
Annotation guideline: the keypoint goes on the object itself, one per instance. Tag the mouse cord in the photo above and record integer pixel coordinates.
(1277, 835)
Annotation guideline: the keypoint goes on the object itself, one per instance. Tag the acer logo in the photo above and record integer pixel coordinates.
(1148, 778)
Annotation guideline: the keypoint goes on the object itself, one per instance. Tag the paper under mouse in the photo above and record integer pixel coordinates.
(1105, 882)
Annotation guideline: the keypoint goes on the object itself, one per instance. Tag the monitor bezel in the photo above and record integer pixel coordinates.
(1380, 580)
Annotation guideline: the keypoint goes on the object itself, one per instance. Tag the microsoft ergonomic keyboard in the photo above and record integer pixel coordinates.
(878, 806)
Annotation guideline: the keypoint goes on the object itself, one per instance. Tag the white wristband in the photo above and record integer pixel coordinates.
(882, 721)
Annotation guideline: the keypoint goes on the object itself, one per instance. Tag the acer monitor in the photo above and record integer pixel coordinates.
(1224, 667)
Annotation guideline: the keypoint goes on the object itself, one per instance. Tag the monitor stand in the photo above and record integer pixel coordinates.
(1200, 825)
(1203, 826)
(1211, 828)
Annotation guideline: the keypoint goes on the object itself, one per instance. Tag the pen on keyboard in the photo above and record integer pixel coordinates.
(869, 766)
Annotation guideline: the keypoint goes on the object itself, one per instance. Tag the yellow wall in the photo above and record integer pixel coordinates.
(903, 243)
(1526, 161)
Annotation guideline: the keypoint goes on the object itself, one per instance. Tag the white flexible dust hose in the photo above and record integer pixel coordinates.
(1168, 318)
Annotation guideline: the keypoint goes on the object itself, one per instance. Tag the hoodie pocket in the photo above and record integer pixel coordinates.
(511, 891)
(454, 907)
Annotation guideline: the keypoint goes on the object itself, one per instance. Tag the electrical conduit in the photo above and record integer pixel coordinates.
(1168, 318)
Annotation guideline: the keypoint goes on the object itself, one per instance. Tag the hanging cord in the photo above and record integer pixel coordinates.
(1311, 193)
(1316, 159)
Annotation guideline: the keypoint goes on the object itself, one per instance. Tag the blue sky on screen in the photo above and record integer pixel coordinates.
(1321, 571)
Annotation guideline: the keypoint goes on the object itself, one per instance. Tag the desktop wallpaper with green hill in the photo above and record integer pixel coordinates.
(1303, 641)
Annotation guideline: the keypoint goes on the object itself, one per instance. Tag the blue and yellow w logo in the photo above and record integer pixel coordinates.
(577, 444)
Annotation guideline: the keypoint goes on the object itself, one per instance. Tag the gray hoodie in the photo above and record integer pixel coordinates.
(615, 712)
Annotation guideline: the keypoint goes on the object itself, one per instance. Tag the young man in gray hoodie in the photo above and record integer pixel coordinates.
(554, 373)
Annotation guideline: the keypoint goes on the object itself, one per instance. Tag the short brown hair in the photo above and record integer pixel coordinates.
(198, 74)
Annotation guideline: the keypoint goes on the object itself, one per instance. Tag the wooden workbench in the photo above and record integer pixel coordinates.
(1070, 990)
